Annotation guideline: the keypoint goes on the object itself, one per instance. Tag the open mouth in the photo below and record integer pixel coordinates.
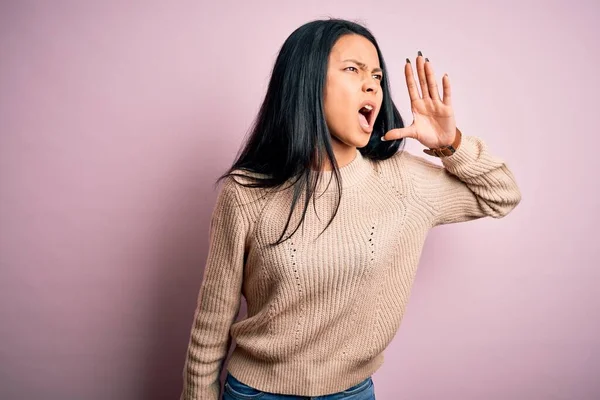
(365, 116)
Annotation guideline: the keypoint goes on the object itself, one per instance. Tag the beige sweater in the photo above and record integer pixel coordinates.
(321, 312)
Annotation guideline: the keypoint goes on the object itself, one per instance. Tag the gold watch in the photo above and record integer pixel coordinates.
(446, 150)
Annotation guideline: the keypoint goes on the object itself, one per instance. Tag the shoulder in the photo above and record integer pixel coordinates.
(236, 192)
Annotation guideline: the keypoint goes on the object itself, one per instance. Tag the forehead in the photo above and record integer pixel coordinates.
(356, 47)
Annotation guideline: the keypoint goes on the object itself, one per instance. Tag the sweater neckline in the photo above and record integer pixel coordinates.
(351, 174)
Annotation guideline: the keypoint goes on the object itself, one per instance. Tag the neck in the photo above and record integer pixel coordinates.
(353, 171)
(343, 153)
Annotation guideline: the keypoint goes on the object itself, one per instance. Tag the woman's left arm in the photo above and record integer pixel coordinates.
(472, 182)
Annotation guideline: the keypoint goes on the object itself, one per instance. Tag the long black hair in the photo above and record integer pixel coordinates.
(289, 136)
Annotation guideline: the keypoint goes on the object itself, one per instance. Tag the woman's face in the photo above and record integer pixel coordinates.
(353, 78)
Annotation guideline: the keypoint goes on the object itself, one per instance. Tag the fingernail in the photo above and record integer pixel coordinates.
(408, 61)
(420, 54)
(427, 60)
(382, 139)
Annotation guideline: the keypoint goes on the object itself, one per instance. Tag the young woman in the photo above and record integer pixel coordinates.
(321, 220)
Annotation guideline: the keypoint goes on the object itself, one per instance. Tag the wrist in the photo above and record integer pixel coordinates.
(446, 151)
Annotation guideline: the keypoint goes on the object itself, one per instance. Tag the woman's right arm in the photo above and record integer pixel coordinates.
(218, 299)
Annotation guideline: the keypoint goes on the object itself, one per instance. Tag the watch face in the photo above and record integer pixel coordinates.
(441, 152)
(445, 151)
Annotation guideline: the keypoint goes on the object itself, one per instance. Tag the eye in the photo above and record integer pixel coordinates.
(379, 76)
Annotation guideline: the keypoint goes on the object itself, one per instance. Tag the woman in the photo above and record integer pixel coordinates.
(324, 301)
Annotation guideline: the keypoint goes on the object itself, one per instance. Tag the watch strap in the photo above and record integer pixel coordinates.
(446, 151)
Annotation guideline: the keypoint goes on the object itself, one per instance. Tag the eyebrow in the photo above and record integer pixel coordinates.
(363, 66)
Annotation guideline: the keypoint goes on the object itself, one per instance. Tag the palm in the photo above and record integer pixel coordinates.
(433, 117)
(433, 122)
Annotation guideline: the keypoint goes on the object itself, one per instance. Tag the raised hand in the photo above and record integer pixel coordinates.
(433, 118)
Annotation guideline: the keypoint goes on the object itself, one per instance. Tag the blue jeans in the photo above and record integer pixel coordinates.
(236, 390)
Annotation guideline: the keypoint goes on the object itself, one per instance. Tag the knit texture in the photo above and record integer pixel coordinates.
(321, 311)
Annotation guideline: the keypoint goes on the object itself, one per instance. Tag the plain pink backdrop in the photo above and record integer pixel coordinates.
(115, 120)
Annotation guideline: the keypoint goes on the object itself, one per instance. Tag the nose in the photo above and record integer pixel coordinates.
(369, 85)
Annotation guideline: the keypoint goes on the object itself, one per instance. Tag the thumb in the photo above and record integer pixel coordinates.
(400, 133)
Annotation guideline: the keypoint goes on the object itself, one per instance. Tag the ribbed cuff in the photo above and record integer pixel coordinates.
(468, 152)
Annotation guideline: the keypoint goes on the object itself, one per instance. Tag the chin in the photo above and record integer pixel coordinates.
(357, 139)
(359, 142)
(363, 142)
(361, 139)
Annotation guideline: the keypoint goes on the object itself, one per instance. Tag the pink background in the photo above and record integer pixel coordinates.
(115, 120)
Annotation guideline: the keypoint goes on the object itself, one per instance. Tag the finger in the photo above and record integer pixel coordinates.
(399, 133)
(422, 77)
(431, 81)
(447, 91)
(413, 92)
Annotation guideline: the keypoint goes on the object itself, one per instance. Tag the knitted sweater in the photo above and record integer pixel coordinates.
(321, 311)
